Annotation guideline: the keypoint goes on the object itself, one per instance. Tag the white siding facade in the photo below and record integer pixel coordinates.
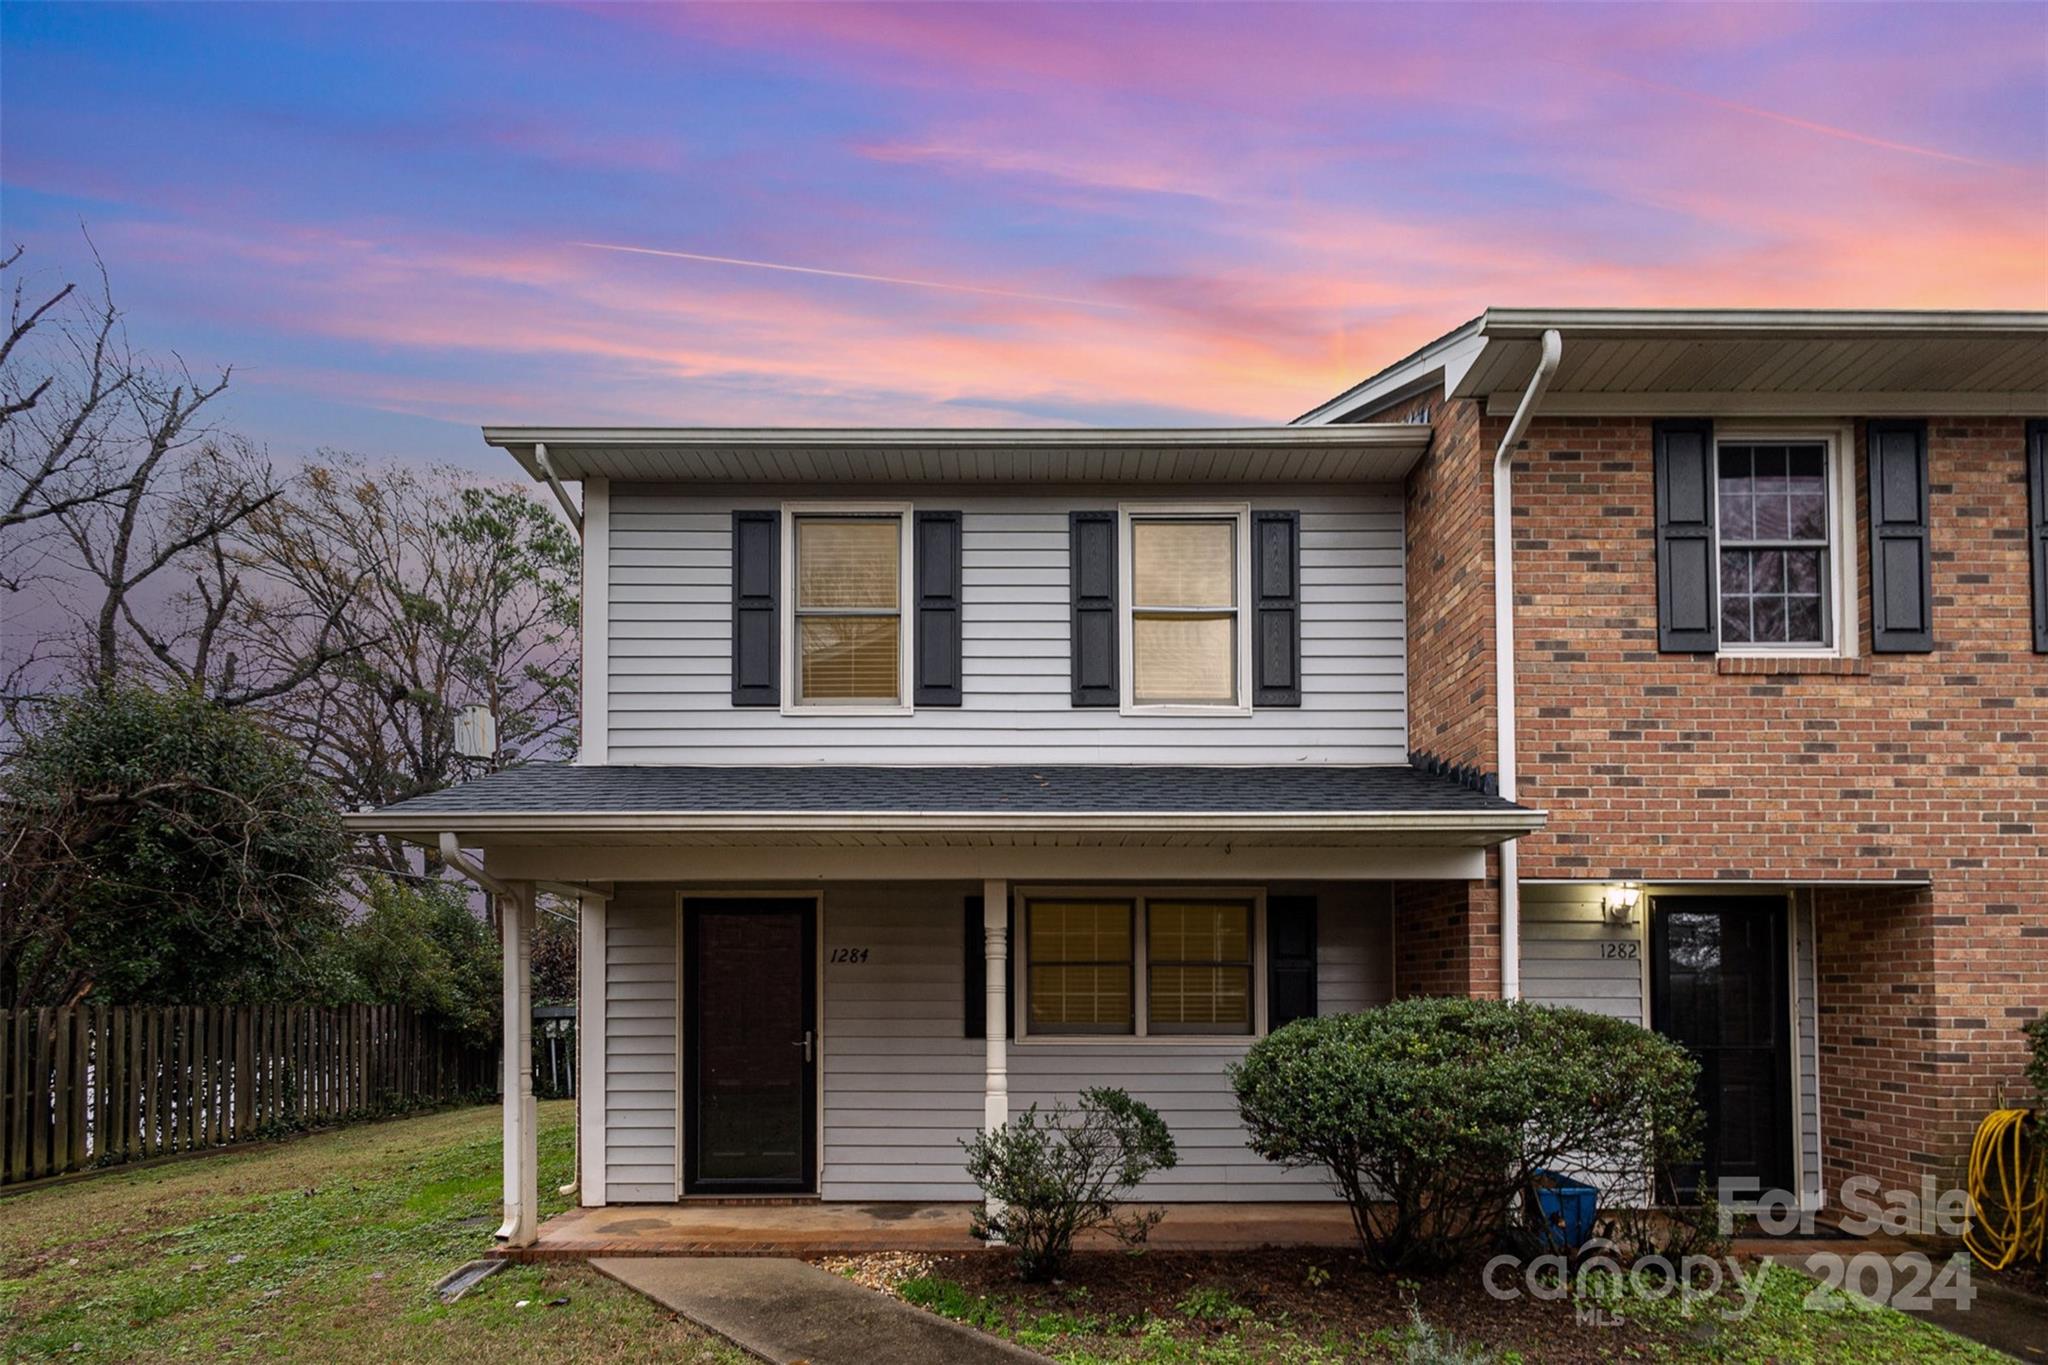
(901, 1082)
(669, 633)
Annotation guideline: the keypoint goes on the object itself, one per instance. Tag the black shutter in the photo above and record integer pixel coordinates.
(937, 579)
(756, 622)
(1290, 959)
(1688, 614)
(1276, 608)
(977, 970)
(1092, 582)
(1901, 576)
(2037, 524)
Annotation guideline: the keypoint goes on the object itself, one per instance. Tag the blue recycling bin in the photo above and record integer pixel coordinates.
(1568, 1208)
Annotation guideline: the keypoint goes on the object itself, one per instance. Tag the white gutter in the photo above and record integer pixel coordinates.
(452, 854)
(1504, 651)
(547, 471)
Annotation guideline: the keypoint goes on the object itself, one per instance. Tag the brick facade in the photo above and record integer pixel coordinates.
(1677, 767)
(1447, 937)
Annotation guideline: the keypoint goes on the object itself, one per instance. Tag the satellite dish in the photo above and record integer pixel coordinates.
(476, 732)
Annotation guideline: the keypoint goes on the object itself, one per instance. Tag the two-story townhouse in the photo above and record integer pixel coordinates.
(1776, 606)
(929, 774)
(926, 774)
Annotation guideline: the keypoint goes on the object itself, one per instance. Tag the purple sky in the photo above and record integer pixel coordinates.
(400, 222)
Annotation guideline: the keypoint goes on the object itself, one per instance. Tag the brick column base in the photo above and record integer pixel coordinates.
(1447, 939)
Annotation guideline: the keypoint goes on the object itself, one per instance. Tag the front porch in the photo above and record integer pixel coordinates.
(757, 1228)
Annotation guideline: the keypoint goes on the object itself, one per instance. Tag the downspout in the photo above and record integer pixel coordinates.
(547, 469)
(453, 856)
(1504, 651)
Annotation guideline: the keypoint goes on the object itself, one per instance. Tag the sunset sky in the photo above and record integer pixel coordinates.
(399, 222)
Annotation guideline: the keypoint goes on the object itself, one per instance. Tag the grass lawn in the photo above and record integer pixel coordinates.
(323, 1248)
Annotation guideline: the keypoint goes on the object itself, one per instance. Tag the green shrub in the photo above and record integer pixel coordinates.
(1431, 1116)
(1046, 1177)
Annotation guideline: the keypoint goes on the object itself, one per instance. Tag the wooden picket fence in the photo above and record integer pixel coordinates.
(93, 1086)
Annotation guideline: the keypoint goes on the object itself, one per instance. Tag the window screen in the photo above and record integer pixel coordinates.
(1080, 966)
(849, 618)
(1198, 967)
(1184, 611)
(1775, 560)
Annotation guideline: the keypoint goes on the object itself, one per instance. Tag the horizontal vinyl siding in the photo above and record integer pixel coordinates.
(903, 1084)
(1806, 1016)
(670, 640)
(1563, 933)
(640, 1045)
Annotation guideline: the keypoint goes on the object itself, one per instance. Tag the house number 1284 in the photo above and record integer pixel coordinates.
(848, 955)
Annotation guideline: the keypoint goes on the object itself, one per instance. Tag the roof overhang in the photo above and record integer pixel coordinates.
(1350, 454)
(1420, 829)
(1707, 362)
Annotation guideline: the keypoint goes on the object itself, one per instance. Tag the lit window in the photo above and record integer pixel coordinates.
(1184, 611)
(1080, 966)
(1198, 967)
(1085, 973)
(849, 616)
(1775, 527)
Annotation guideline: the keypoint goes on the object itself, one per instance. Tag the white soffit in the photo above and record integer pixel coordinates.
(1363, 453)
(1757, 362)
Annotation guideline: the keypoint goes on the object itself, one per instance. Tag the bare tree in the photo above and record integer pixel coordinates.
(65, 371)
(444, 593)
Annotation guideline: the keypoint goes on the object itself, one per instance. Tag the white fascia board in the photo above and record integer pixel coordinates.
(961, 822)
(563, 442)
(1454, 351)
(1680, 324)
(1760, 403)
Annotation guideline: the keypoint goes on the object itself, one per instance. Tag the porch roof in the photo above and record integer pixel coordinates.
(618, 803)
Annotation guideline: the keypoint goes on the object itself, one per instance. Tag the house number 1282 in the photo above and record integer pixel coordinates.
(1625, 949)
(848, 955)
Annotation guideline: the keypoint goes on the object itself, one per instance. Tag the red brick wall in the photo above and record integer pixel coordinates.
(1447, 937)
(1658, 767)
(1450, 593)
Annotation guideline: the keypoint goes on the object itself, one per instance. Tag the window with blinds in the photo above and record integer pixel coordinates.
(849, 610)
(1198, 967)
(1080, 968)
(1196, 972)
(1184, 611)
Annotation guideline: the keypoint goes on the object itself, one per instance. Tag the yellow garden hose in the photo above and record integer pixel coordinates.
(2008, 1190)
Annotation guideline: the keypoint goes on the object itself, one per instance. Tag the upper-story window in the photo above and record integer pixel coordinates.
(1781, 562)
(1184, 634)
(850, 644)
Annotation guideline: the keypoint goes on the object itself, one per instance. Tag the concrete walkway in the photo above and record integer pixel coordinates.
(786, 1311)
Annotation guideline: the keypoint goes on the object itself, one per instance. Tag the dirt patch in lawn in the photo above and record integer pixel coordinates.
(1255, 1305)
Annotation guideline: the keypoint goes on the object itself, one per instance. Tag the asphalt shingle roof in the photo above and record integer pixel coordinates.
(1071, 789)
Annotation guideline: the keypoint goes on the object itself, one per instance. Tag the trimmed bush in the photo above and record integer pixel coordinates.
(1432, 1116)
(1046, 1177)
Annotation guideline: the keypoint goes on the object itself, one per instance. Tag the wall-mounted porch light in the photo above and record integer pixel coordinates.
(1619, 904)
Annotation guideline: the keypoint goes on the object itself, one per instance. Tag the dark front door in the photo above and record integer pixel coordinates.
(750, 1046)
(1718, 986)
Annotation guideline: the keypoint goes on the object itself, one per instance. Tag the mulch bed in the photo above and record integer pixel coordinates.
(1307, 1292)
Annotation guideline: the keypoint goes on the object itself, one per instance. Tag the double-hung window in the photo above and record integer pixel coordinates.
(1141, 965)
(849, 642)
(1781, 562)
(1184, 636)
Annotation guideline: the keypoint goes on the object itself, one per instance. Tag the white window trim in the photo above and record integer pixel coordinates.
(792, 703)
(1020, 948)
(1840, 440)
(1126, 513)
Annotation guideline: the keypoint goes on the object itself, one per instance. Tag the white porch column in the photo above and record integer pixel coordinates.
(995, 920)
(590, 1028)
(522, 1156)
